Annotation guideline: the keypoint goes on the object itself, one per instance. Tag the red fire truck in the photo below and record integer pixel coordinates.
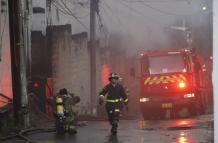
(171, 84)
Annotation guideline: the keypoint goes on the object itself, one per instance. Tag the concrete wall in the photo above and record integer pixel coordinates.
(71, 64)
(41, 54)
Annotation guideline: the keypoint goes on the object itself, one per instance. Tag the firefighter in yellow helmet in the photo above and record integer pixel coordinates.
(112, 94)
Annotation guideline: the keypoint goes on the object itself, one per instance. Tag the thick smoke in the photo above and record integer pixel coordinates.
(141, 26)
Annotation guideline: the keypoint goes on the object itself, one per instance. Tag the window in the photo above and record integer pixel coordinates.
(166, 64)
(38, 10)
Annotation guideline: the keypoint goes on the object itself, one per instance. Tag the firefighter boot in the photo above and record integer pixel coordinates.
(72, 129)
(114, 127)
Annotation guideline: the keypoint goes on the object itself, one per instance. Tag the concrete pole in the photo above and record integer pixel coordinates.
(15, 57)
(23, 60)
(18, 60)
(93, 54)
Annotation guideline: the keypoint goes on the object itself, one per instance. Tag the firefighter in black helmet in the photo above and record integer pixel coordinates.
(64, 102)
(112, 93)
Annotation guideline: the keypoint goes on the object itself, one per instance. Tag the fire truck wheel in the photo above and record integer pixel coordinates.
(150, 116)
(202, 110)
(196, 110)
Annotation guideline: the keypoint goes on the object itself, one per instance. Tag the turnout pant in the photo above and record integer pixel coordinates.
(113, 112)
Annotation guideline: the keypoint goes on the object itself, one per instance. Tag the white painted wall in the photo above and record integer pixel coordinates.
(39, 3)
(39, 21)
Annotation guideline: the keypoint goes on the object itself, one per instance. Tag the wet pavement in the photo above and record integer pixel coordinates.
(193, 130)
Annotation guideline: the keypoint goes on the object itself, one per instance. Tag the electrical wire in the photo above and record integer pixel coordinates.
(60, 6)
(63, 8)
(107, 15)
(67, 13)
(72, 14)
(107, 10)
(114, 15)
(155, 1)
(141, 14)
(112, 11)
(101, 25)
(81, 4)
(60, 9)
(162, 11)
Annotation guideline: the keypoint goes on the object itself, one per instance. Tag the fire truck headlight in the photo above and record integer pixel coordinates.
(182, 85)
(144, 99)
(190, 95)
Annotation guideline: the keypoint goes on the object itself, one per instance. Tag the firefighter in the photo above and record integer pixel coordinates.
(64, 105)
(113, 93)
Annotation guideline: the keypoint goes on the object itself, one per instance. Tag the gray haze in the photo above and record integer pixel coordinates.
(142, 24)
(138, 24)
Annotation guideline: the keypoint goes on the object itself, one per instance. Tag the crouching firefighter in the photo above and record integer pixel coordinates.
(113, 94)
(65, 117)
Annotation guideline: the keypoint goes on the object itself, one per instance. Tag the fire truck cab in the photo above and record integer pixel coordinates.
(171, 82)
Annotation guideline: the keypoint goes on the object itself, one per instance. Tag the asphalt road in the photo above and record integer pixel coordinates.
(193, 130)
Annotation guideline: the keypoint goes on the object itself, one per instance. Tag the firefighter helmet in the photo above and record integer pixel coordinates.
(63, 91)
(113, 76)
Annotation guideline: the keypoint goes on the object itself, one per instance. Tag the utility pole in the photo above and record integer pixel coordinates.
(27, 34)
(93, 8)
(19, 81)
(15, 56)
(24, 27)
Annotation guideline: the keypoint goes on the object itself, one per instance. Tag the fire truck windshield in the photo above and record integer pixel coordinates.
(166, 64)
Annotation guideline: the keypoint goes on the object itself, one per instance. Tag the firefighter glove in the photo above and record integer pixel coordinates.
(126, 101)
(101, 100)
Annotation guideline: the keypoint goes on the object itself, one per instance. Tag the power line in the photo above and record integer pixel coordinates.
(139, 13)
(156, 1)
(73, 15)
(66, 10)
(112, 11)
(162, 11)
(101, 26)
(107, 15)
(68, 14)
(61, 10)
(84, 4)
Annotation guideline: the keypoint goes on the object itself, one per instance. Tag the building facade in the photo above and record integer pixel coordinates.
(5, 59)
